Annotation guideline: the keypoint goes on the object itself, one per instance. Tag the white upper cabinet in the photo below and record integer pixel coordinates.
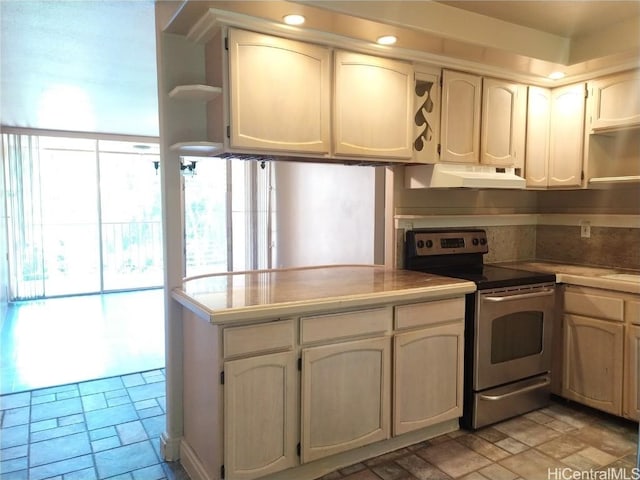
(372, 107)
(503, 123)
(279, 94)
(537, 144)
(567, 136)
(615, 101)
(460, 127)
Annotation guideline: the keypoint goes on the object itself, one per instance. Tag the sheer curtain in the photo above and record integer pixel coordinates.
(24, 215)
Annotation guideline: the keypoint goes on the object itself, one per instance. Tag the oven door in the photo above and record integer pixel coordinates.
(513, 328)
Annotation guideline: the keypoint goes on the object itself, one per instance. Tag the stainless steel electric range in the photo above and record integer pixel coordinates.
(508, 324)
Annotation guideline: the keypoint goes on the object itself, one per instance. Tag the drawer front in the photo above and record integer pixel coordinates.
(256, 339)
(594, 306)
(344, 325)
(632, 312)
(429, 313)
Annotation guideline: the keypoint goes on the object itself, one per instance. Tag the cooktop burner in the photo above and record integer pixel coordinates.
(459, 254)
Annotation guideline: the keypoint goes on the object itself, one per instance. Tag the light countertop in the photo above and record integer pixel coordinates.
(586, 276)
(264, 294)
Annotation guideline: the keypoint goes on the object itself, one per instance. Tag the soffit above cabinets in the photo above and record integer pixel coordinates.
(439, 33)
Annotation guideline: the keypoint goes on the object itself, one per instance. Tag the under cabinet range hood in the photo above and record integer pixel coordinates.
(441, 175)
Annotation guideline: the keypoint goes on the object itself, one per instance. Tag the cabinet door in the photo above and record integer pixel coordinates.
(460, 126)
(537, 143)
(503, 123)
(567, 136)
(373, 104)
(345, 396)
(593, 362)
(632, 369)
(615, 101)
(279, 94)
(426, 119)
(260, 415)
(427, 377)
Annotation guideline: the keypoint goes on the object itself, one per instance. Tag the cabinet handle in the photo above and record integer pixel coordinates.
(494, 398)
(506, 298)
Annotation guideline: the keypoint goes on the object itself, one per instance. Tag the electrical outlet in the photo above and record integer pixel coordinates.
(585, 229)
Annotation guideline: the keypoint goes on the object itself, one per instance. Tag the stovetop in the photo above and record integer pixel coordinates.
(487, 277)
(459, 253)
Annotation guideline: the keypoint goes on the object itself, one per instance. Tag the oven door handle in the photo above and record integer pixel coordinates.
(528, 388)
(522, 296)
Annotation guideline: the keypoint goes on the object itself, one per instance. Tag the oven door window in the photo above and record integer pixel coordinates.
(516, 335)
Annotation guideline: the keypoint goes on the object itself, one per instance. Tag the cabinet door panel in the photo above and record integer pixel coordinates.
(260, 397)
(593, 362)
(615, 101)
(503, 110)
(373, 102)
(345, 396)
(273, 108)
(428, 377)
(460, 128)
(537, 146)
(567, 136)
(632, 368)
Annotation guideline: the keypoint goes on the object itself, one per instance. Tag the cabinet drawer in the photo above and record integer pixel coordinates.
(428, 313)
(594, 306)
(342, 325)
(255, 339)
(632, 312)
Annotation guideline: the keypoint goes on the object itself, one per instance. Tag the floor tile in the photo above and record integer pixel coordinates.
(56, 432)
(606, 440)
(390, 471)
(526, 431)
(497, 472)
(102, 385)
(588, 459)
(562, 447)
(110, 416)
(125, 459)
(57, 408)
(57, 449)
(421, 469)
(95, 401)
(16, 416)
(13, 436)
(16, 400)
(453, 458)
(483, 447)
(147, 391)
(131, 432)
(532, 465)
(154, 472)
(60, 468)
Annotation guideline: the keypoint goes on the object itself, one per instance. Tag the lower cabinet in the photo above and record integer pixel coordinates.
(632, 367)
(428, 365)
(261, 415)
(593, 362)
(345, 396)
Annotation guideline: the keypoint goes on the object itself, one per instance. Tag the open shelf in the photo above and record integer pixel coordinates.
(599, 182)
(203, 93)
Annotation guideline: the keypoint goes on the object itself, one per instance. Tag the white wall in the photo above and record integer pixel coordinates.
(325, 214)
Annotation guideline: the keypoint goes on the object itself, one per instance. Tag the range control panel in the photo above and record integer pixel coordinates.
(439, 242)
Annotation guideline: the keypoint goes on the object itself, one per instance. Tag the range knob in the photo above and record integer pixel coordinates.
(420, 243)
(483, 241)
(429, 243)
(475, 242)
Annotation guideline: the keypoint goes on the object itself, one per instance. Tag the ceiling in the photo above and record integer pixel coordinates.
(90, 66)
(563, 18)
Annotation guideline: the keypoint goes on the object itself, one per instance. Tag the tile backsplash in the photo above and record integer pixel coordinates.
(611, 247)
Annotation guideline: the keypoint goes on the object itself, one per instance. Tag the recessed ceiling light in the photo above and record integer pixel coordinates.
(293, 19)
(556, 75)
(387, 40)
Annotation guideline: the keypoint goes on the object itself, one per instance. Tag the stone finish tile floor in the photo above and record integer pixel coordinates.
(110, 429)
(562, 441)
(102, 429)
